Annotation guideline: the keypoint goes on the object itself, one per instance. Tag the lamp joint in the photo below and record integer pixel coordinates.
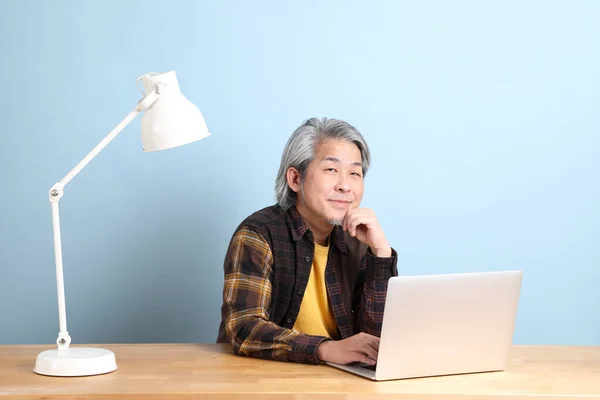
(63, 341)
(56, 192)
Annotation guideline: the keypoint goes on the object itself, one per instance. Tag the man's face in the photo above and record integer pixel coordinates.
(333, 184)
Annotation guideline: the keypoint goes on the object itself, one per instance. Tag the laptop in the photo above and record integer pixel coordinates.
(445, 324)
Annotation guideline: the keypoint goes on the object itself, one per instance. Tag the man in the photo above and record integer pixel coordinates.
(306, 279)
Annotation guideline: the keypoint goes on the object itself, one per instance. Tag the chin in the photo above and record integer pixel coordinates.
(334, 221)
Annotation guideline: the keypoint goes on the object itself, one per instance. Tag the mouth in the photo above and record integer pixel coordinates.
(340, 203)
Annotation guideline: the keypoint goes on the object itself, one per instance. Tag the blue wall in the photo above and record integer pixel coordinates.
(483, 119)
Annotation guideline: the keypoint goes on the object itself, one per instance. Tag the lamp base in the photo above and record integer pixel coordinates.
(76, 361)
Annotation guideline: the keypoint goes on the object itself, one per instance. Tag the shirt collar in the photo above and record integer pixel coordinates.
(299, 229)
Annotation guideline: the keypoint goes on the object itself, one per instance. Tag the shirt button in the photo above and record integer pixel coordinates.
(299, 292)
(307, 258)
(289, 320)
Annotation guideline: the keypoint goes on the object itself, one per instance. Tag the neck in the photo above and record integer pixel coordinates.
(321, 235)
(320, 229)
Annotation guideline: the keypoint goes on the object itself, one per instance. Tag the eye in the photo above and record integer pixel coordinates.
(356, 174)
(330, 170)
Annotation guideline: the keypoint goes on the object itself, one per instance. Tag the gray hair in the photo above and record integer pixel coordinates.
(302, 146)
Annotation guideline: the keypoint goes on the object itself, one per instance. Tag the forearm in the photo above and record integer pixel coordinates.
(246, 301)
(378, 271)
(256, 337)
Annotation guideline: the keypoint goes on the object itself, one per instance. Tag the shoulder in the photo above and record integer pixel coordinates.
(265, 219)
(264, 223)
(251, 240)
(269, 216)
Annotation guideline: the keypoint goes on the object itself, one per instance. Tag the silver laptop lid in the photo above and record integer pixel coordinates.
(448, 324)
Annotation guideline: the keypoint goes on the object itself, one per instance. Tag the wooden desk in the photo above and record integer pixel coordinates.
(210, 371)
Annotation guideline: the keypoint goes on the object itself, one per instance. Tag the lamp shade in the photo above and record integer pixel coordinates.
(172, 120)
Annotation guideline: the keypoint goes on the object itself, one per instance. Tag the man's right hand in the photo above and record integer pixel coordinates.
(361, 347)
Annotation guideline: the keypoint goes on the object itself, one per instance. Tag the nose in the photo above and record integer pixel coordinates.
(343, 185)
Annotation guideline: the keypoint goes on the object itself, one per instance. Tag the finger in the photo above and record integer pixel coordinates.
(367, 346)
(360, 211)
(361, 357)
(372, 340)
(370, 351)
(347, 217)
(374, 343)
(352, 215)
(350, 220)
(357, 220)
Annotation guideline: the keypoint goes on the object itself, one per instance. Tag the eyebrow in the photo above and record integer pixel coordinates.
(336, 160)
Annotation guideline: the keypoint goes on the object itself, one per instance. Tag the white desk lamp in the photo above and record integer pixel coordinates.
(170, 120)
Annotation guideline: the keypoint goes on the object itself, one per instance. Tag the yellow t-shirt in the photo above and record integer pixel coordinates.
(315, 316)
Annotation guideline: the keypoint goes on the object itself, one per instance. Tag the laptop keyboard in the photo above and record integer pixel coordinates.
(369, 367)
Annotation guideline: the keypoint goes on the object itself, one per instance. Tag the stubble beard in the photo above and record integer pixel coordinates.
(334, 222)
(330, 221)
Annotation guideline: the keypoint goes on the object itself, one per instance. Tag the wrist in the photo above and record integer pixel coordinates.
(382, 252)
(321, 352)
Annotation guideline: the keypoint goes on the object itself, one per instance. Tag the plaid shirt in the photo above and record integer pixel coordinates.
(266, 268)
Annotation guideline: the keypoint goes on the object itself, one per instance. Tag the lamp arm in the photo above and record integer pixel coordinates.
(56, 192)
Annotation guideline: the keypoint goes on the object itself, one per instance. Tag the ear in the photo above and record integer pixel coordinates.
(293, 179)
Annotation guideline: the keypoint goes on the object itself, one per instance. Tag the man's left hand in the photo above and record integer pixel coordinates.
(362, 224)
